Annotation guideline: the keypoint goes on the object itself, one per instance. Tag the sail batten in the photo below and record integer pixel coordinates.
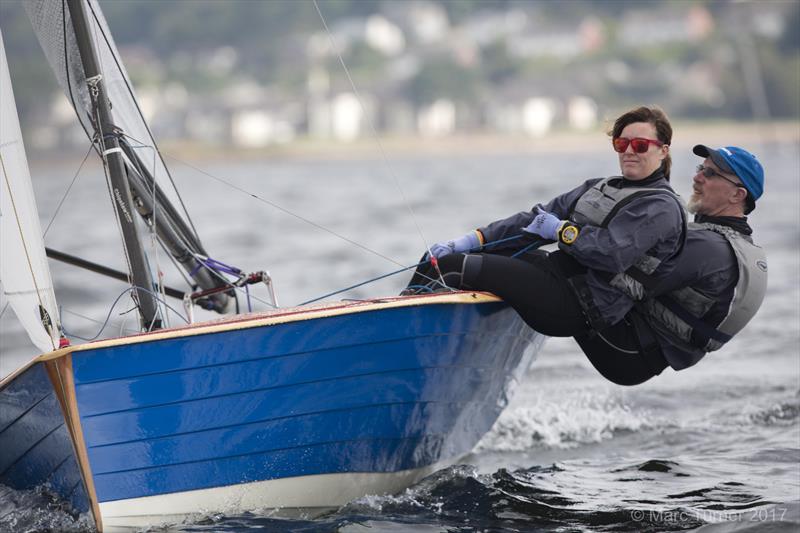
(25, 280)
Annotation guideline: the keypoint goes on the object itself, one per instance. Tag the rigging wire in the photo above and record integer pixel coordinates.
(106, 173)
(98, 27)
(101, 67)
(183, 238)
(286, 211)
(154, 226)
(69, 188)
(374, 132)
(107, 40)
(104, 155)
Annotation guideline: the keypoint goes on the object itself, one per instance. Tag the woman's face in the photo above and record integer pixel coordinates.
(638, 166)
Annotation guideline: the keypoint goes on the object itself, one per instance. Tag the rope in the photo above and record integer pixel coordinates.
(374, 132)
(65, 311)
(365, 283)
(537, 243)
(131, 289)
(25, 245)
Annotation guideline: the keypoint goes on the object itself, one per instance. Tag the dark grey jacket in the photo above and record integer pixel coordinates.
(708, 264)
(652, 225)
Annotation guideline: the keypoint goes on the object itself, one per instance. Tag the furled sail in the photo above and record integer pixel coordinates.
(24, 274)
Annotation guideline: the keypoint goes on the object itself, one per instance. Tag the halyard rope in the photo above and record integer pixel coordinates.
(375, 136)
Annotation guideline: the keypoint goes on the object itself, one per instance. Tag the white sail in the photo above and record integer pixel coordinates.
(24, 274)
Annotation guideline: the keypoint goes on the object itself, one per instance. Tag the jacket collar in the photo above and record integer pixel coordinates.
(736, 223)
(649, 181)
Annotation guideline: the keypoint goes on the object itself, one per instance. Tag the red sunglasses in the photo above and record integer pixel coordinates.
(640, 145)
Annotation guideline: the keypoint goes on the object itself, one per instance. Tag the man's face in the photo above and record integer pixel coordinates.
(720, 194)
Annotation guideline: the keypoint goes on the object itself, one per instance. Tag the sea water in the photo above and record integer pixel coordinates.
(715, 447)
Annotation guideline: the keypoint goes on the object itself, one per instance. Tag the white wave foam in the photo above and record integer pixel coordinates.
(566, 423)
(418, 496)
(39, 510)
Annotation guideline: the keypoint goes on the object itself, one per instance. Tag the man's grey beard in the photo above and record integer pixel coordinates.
(694, 205)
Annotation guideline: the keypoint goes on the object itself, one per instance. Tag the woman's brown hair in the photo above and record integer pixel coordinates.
(652, 115)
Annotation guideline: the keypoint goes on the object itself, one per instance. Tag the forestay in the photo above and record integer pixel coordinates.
(24, 274)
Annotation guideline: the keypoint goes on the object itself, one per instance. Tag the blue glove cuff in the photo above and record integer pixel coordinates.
(474, 241)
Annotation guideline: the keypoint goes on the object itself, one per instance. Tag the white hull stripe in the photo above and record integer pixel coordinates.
(283, 497)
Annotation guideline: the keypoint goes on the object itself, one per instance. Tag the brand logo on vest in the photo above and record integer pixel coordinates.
(762, 265)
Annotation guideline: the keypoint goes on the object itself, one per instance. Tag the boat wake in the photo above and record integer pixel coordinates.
(565, 423)
(515, 500)
(782, 413)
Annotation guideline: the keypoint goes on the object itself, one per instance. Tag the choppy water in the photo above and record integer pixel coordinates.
(715, 447)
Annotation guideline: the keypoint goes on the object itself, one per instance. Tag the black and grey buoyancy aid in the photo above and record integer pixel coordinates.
(681, 312)
(599, 204)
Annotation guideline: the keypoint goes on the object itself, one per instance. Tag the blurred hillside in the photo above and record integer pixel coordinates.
(255, 73)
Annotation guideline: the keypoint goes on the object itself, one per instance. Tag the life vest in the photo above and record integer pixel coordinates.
(599, 204)
(679, 314)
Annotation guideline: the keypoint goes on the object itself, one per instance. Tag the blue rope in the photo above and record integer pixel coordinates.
(213, 264)
(364, 283)
(532, 246)
(420, 288)
(537, 243)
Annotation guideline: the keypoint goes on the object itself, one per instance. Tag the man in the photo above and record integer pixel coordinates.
(720, 278)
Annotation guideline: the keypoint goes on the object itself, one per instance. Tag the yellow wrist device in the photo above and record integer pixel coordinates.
(568, 233)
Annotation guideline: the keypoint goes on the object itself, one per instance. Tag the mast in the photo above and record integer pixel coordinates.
(120, 188)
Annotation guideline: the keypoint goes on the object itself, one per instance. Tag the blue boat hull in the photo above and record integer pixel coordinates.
(35, 444)
(381, 389)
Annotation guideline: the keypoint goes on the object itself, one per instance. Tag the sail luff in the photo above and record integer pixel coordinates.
(25, 278)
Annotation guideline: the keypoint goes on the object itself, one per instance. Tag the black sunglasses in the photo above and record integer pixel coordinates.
(711, 173)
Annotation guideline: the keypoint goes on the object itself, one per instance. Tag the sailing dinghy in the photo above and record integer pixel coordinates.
(300, 409)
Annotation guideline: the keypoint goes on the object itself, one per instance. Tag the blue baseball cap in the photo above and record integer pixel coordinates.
(743, 164)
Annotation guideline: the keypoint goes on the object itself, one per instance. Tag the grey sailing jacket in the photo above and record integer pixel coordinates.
(649, 225)
(720, 277)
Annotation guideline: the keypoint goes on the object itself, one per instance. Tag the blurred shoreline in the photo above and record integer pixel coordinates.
(685, 135)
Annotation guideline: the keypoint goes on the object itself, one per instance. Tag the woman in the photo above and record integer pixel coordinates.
(612, 233)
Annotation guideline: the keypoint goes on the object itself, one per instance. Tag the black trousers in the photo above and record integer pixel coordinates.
(537, 286)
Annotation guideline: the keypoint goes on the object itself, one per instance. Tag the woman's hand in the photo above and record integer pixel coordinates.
(545, 225)
(460, 245)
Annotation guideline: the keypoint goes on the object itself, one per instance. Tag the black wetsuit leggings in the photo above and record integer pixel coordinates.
(537, 287)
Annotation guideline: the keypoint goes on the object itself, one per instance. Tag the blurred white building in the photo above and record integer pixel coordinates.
(437, 119)
(537, 116)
